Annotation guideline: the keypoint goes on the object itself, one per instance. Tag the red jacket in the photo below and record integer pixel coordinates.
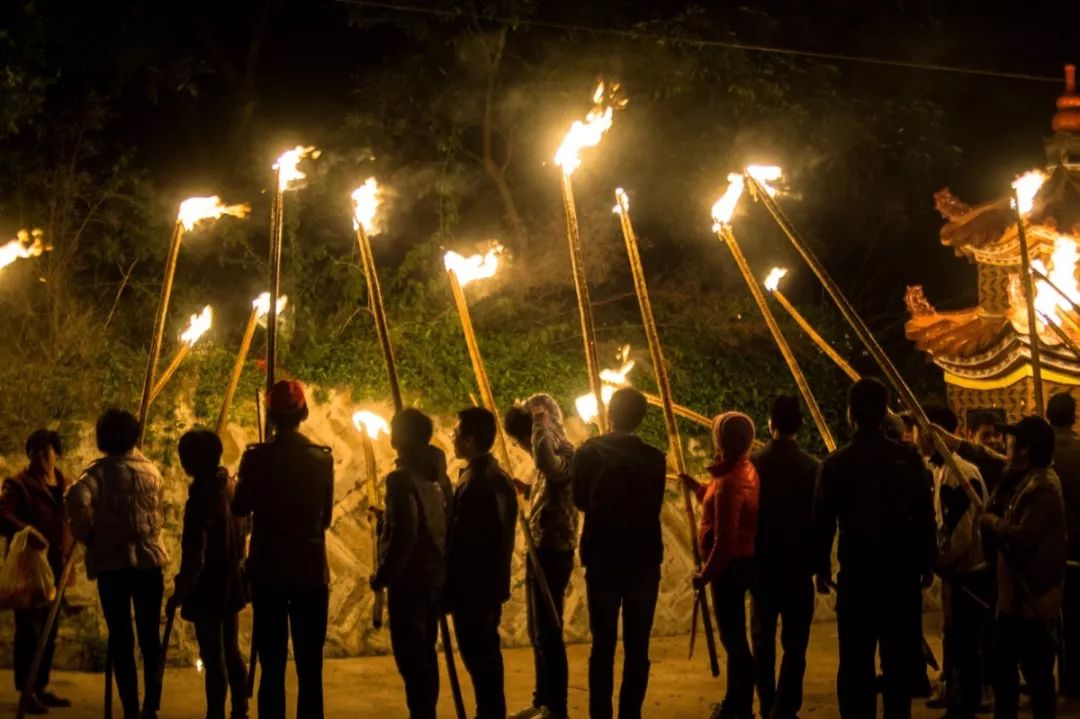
(27, 500)
(728, 516)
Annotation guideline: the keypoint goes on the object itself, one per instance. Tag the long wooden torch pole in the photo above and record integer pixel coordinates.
(680, 411)
(1029, 300)
(277, 231)
(588, 327)
(816, 338)
(728, 237)
(892, 374)
(170, 370)
(159, 327)
(488, 400)
(238, 369)
(371, 275)
(656, 353)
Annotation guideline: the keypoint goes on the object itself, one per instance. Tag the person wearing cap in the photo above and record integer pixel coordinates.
(1025, 523)
(117, 509)
(481, 550)
(784, 588)
(1061, 413)
(878, 493)
(412, 558)
(618, 482)
(286, 486)
(35, 498)
(536, 425)
(726, 536)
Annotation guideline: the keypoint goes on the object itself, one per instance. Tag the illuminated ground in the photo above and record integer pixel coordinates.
(370, 687)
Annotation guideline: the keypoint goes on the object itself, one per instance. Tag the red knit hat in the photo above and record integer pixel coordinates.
(286, 397)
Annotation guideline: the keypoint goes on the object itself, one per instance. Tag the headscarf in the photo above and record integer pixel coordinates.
(733, 436)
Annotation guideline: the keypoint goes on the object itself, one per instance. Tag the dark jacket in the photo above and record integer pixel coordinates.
(212, 550)
(1032, 546)
(990, 464)
(787, 476)
(481, 535)
(1067, 467)
(25, 499)
(880, 495)
(618, 483)
(553, 518)
(287, 486)
(412, 540)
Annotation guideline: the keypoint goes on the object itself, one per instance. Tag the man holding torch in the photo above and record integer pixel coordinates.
(536, 426)
(287, 486)
(412, 558)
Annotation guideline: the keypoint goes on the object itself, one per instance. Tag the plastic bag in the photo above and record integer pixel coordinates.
(26, 579)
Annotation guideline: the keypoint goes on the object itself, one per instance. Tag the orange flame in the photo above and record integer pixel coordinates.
(365, 205)
(197, 326)
(194, 210)
(612, 380)
(587, 133)
(476, 267)
(286, 165)
(1027, 186)
(370, 423)
(261, 305)
(724, 208)
(27, 243)
(772, 282)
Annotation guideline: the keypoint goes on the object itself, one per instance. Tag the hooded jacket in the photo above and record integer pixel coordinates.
(729, 504)
(412, 543)
(618, 483)
(553, 518)
(26, 500)
(117, 510)
(959, 539)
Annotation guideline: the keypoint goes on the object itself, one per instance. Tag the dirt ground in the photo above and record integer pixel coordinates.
(679, 688)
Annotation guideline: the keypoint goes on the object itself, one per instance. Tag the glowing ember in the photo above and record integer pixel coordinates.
(194, 210)
(198, 326)
(622, 199)
(612, 380)
(199, 666)
(476, 267)
(365, 205)
(587, 133)
(286, 165)
(261, 305)
(1027, 186)
(772, 282)
(27, 243)
(370, 423)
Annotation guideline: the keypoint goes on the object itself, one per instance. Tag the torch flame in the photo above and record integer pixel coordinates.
(1049, 304)
(724, 208)
(365, 205)
(27, 243)
(1027, 186)
(261, 305)
(194, 210)
(370, 423)
(197, 326)
(587, 133)
(286, 165)
(772, 282)
(621, 198)
(476, 267)
(612, 380)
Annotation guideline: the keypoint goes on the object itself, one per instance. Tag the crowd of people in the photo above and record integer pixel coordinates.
(997, 521)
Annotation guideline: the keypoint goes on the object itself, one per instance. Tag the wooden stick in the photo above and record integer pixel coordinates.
(820, 341)
(238, 369)
(167, 375)
(588, 328)
(488, 400)
(1061, 335)
(277, 230)
(170, 618)
(892, 375)
(663, 383)
(159, 327)
(728, 237)
(1029, 300)
(681, 411)
(373, 512)
(382, 328)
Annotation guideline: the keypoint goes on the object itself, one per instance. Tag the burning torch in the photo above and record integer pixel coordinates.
(585, 134)
(1024, 189)
(656, 353)
(260, 308)
(370, 426)
(197, 327)
(287, 174)
(26, 243)
(722, 212)
(192, 211)
(764, 194)
(461, 271)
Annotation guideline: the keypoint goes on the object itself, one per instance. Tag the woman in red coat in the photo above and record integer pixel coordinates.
(726, 543)
(35, 498)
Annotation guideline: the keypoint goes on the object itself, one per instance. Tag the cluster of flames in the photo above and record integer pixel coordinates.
(197, 326)
(365, 204)
(27, 243)
(612, 380)
(370, 423)
(474, 267)
(589, 132)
